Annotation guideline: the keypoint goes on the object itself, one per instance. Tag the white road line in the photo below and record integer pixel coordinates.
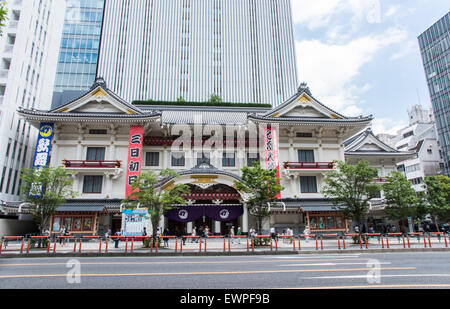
(330, 264)
(308, 257)
(382, 276)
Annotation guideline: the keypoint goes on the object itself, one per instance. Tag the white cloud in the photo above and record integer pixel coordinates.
(387, 126)
(331, 69)
(321, 13)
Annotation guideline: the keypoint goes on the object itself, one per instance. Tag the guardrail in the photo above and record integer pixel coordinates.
(179, 244)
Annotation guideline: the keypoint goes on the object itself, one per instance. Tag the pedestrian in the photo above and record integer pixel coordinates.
(252, 232)
(356, 229)
(239, 233)
(117, 240)
(62, 233)
(306, 232)
(272, 232)
(232, 234)
(144, 235)
(166, 240)
(206, 232)
(194, 234)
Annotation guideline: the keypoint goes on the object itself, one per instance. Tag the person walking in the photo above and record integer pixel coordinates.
(62, 233)
(144, 235)
(194, 234)
(166, 240)
(272, 232)
(232, 234)
(239, 233)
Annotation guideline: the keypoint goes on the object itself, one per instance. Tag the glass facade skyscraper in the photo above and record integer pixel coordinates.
(435, 49)
(79, 49)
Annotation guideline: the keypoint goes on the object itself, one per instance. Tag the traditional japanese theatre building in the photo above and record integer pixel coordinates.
(105, 141)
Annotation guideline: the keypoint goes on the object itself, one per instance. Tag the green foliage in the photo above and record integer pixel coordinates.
(401, 198)
(3, 16)
(262, 187)
(181, 100)
(438, 196)
(147, 194)
(351, 187)
(46, 189)
(215, 99)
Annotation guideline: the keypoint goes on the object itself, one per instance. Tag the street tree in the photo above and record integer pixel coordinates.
(350, 188)
(401, 199)
(438, 197)
(262, 187)
(148, 194)
(45, 189)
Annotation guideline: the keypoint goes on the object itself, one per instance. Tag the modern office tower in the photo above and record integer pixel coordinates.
(78, 56)
(29, 52)
(435, 49)
(240, 50)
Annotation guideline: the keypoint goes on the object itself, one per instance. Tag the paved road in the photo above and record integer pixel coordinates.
(387, 270)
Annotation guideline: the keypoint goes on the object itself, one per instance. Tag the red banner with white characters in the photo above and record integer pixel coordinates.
(271, 150)
(134, 156)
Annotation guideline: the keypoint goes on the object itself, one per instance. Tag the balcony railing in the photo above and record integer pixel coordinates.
(212, 196)
(91, 164)
(307, 165)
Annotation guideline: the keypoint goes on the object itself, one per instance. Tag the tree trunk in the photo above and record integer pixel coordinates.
(436, 223)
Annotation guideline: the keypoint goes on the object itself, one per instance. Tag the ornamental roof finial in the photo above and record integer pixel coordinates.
(304, 88)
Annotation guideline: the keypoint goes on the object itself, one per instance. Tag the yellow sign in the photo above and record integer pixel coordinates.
(46, 131)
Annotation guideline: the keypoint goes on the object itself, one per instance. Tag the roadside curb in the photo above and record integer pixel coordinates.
(194, 254)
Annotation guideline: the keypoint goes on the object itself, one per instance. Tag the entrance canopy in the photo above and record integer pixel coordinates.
(223, 213)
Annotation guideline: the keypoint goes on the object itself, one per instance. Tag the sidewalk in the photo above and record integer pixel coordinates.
(226, 246)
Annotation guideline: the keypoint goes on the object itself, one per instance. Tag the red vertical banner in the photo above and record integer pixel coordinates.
(134, 156)
(271, 151)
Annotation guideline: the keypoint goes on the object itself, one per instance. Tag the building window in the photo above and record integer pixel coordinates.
(203, 158)
(229, 160)
(305, 135)
(408, 134)
(308, 184)
(326, 222)
(178, 159)
(100, 132)
(78, 224)
(251, 158)
(152, 159)
(93, 184)
(306, 156)
(95, 154)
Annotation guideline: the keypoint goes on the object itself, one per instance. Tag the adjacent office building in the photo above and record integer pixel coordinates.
(29, 51)
(435, 49)
(78, 56)
(419, 137)
(240, 50)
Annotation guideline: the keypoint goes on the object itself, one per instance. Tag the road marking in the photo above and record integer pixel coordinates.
(207, 273)
(174, 263)
(331, 264)
(383, 276)
(374, 286)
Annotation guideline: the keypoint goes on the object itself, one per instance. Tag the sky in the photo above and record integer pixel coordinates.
(362, 57)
